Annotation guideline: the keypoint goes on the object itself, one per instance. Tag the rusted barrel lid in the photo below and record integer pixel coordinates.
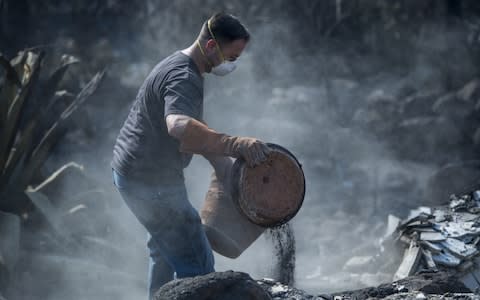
(269, 194)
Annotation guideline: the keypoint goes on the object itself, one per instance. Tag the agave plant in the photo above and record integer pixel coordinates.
(33, 118)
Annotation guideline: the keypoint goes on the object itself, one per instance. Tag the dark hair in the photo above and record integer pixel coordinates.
(226, 28)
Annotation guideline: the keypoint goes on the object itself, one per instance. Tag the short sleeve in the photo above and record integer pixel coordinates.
(183, 96)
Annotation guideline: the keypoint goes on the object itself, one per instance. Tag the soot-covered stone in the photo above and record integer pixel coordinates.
(219, 285)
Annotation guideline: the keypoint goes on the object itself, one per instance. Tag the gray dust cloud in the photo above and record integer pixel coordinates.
(350, 97)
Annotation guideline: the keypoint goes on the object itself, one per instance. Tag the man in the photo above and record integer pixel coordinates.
(162, 131)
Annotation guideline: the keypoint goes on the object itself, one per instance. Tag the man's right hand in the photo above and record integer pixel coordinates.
(252, 150)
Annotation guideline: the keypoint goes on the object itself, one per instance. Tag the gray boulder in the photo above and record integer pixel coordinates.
(228, 285)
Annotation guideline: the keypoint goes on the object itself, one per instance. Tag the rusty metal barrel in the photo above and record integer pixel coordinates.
(272, 193)
(240, 206)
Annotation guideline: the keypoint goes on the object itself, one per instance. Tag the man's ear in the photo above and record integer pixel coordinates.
(211, 44)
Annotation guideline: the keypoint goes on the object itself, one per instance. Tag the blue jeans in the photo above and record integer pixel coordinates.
(177, 241)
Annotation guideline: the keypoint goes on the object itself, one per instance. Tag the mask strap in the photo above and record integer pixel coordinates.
(201, 49)
(203, 53)
(216, 43)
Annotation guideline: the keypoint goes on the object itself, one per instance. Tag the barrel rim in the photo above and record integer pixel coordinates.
(237, 167)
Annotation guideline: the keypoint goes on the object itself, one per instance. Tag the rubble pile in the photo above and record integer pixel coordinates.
(442, 239)
(435, 250)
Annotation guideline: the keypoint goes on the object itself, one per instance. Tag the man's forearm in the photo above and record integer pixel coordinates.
(196, 137)
(176, 125)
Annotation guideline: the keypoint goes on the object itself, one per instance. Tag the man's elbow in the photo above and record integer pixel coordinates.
(172, 130)
(176, 125)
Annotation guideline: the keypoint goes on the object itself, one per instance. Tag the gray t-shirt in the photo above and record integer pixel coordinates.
(144, 149)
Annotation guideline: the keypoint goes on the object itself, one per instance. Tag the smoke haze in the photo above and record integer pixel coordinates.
(330, 97)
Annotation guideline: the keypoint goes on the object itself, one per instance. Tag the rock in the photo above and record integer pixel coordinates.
(228, 285)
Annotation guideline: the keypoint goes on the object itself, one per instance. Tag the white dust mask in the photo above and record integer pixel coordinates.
(224, 68)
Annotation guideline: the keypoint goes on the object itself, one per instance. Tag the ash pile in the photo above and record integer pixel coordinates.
(236, 285)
